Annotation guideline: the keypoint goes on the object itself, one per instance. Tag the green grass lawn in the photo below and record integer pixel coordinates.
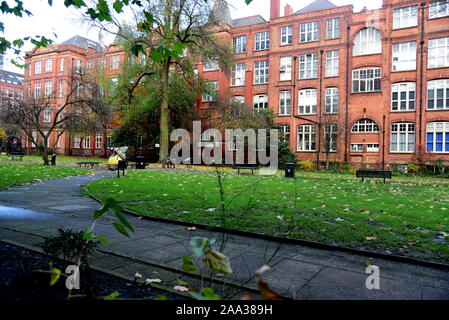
(67, 160)
(16, 172)
(407, 216)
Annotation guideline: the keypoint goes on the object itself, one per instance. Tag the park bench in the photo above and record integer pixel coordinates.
(251, 167)
(18, 154)
(121, 166)
(373, 173)
(86, 163)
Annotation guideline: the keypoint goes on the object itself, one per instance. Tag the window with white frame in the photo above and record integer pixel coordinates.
(366, 80)
(262, 41)
(285, 132)
(38, 67)
(333, 28)
(284, 103)
(403, 96)
(114, 62)
(286, 35)
(102, 63)
(47, 114)
(405, 17)
(49, 65)
(34, 138)
(308, 32)
(45, 132)
(438, 9)
(331, 100)
(86, 141)
(109, 142)
(404, 56)
(438, 94)
(61, 88)
(365, 125)
(307, 101)
(306, 137)
(239, 44)
(402, 137)
(90, 64)
(79, 66)
(99, 140)
(357, 147)
(238, 74)
(260, 101)
(210, 64)
(367, 41)
(238, 99)
(76, 142)
(308, 66)
(437, 136)
(372, 147)
(332, 62)
(438, 53)
(285, 68)
(37, 90)
(261, 72)
(48, 88)
(61, 65)
(211, 91)
(330, 138)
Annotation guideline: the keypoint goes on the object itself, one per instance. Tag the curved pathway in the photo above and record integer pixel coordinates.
(155, 250)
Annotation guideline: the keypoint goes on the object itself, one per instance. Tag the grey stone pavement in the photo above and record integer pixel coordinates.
(155, 250)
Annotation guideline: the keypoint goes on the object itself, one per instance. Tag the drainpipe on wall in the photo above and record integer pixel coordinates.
(320, 93)
(346, 153)
(383, 142)
(293, 104)
(421, 80)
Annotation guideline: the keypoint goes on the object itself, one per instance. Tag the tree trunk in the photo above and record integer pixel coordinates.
(327, 160)
(165, 116)
(45, 152)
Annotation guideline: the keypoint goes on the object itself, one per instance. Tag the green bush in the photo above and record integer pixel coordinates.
(285, 154)
(413, 167)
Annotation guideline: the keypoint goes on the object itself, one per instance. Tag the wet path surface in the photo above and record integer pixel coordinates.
(155, 250)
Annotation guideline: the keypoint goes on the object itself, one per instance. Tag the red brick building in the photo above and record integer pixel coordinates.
(369, 87)
(50, 70)
(11, 89)
(374, 83)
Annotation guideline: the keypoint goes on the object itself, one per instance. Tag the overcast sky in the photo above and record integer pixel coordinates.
(64, 22)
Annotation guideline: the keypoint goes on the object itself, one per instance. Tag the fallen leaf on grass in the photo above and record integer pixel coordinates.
(371, 238)
(191, 228)
(156, 280)
(180, 288)
(138, 276)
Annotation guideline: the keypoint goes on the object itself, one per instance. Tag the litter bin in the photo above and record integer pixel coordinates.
(53, 159)
(140, 162)
(289, 170)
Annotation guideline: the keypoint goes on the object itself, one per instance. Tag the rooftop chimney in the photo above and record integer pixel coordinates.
(275, 9)
(288, 11)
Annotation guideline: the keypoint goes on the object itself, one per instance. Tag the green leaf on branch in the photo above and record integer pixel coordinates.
(188, 265)
(206, 294)
(54, 275)
(199, 245)
(123, 220)
(120, 228)
(217, 262)
(118, 6)
(114, 295)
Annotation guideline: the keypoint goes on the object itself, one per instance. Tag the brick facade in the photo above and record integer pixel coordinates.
(413, 126)
(400, 135)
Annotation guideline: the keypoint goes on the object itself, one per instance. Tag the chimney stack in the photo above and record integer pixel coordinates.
(288, 11)
(275, 9)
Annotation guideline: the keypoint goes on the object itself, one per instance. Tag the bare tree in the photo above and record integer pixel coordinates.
(37, 117)
(164, 30)
(332, 130)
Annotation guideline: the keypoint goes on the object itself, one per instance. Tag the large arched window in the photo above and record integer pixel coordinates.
(437, 138)
(365, 125)
(367, 41)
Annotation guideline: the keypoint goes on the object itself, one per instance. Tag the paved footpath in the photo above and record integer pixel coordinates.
(155, 250)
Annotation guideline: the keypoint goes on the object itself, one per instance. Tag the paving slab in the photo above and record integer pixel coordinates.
(29, 212)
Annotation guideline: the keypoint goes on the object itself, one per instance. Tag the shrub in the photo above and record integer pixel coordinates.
(352, 169)
(285, 154)
(306, 165)
(413, 167)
